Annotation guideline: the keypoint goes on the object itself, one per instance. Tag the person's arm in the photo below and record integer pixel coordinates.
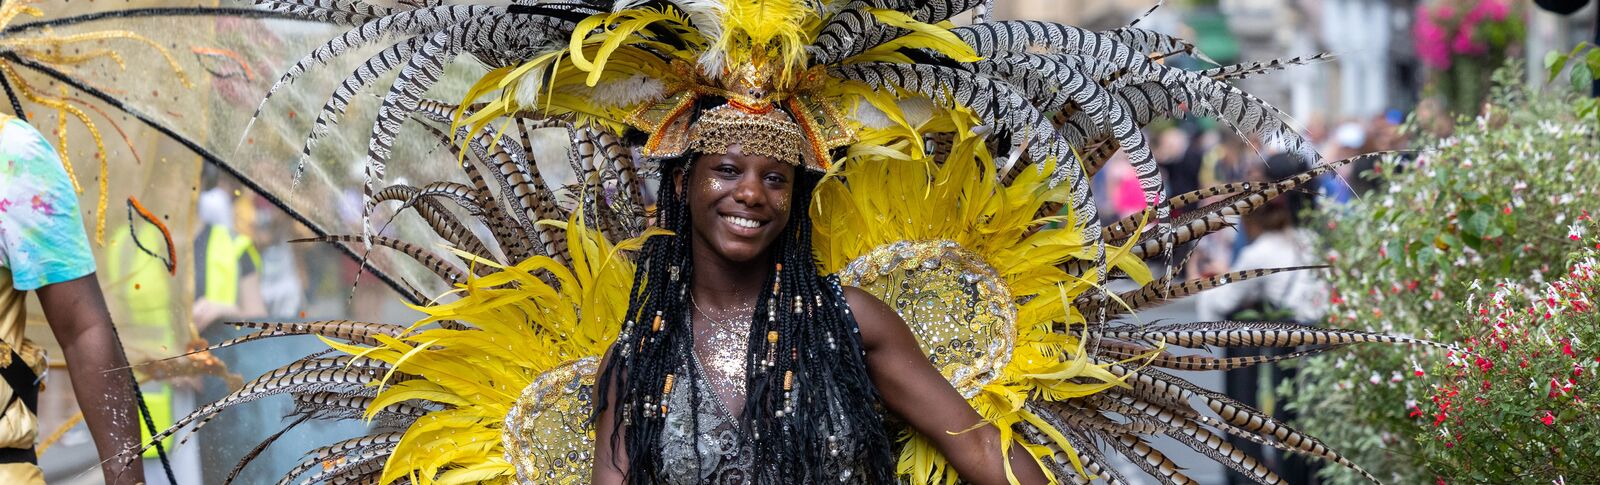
(911, 388)
(207, 313)
(610, 462)
(100, 379)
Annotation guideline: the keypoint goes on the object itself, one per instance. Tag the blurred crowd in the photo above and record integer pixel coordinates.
(1193, 155)
(1198, 154)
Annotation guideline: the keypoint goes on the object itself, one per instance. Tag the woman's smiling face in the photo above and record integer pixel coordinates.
(739, 204)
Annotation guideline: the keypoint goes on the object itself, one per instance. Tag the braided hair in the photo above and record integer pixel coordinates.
(810, 405)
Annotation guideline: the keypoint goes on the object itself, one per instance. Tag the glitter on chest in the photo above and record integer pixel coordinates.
(722, 342)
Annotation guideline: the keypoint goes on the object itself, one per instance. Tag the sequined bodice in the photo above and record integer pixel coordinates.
(702, 443)
(724, 455)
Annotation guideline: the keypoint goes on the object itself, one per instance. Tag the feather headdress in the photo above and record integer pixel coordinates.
(962, 159)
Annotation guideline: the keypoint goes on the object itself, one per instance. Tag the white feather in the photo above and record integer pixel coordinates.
(623, 92)
(917, 110)
(706, 16)
(631, 91)
(528, 89)
(870, 116)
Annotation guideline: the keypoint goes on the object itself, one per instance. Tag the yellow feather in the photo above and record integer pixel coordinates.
(924, 36)
(766, 31)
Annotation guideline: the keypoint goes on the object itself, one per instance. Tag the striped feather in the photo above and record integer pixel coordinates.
(259, 448)
(438, 266)
(443, 222)
(304, 375)
(512, 237)
(1196, 362)
(1258, 334)
(532, 194)
(1157, 292)
(1149, 459)
(997, 103)
(1146, 13)
(1244, 70)
(1267, 190)
(1164, 387)
(1219, 450)
(345, 12)
(425, 67)
(343, 454)
(358, 333)
(1155, 43)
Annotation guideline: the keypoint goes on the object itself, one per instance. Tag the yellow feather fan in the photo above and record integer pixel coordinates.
(522, 321)
(975, 274)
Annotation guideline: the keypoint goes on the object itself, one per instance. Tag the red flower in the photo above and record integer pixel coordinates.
(1484, 364)
(1566, 348)
(1548, 419)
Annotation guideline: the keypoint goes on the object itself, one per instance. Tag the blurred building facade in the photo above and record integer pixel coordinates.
(1375, 71)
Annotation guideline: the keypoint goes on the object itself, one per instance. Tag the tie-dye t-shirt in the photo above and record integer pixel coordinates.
(42, 242)
(42, 239)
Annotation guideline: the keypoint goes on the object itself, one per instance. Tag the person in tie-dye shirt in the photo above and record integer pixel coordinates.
(43, 249)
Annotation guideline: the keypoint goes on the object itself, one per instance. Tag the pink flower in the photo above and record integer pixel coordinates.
(1492, 9)
(1432, 41)
(1464, 44)
(1444, 12)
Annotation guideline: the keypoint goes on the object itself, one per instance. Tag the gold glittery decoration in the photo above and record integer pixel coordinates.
(958, 307)
(546, 435)
(771, 134)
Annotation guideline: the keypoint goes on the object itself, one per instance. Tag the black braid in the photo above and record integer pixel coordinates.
(645, 354)
(829, 417)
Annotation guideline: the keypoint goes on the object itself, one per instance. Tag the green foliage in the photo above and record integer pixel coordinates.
(1493, 202)
(1585, 62)
(1522, 405)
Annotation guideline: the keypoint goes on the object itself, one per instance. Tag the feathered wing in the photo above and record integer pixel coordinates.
(964, 196)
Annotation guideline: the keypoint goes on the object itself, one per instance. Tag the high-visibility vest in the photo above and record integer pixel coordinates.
(223, 250)
(148, 288)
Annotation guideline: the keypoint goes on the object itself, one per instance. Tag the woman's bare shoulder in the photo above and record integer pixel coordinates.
(877, 320)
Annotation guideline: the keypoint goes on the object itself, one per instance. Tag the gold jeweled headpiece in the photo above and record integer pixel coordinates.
(767, 132)
(760, 117)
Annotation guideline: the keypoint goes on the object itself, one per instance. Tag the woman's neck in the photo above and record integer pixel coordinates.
(719, 283)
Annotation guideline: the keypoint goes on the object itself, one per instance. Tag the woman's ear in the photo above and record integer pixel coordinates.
(680, 176)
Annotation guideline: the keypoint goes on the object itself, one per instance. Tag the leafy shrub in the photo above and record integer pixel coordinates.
(1522, 404)
(1494, 202)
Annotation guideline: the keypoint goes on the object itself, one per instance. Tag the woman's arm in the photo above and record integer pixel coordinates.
(913, 389)
(77, 314)
(610, 462)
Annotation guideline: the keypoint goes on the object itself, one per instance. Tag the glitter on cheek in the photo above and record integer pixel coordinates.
(711, 187)
(783, 200)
